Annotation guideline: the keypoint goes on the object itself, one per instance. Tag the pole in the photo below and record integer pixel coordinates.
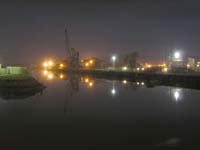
(67, 47)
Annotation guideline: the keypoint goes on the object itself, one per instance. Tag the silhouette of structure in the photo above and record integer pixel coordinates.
(72, 54)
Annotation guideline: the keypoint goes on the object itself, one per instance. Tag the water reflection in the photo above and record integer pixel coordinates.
(80, 109)
(20, 89)
(113, 90)
(176, 94)
(88, 81)
(73, 84)
(20, 93)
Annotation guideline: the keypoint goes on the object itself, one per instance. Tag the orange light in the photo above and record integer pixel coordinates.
(86, 64)
(91, 84)
(149, 66)
(45, 72)
(45, 64)
(61, 76)
(86, 80)
(50, 63)
(61, 65)
(164, 65)
(91, 61)
(50, 76)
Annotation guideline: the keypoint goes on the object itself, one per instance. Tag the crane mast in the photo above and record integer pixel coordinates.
(72, 54)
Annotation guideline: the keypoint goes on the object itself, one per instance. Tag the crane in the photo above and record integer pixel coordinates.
(72, 54)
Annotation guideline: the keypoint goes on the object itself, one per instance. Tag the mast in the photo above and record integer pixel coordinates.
(67, 47)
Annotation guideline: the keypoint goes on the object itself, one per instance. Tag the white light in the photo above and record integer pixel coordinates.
(113, 91)
(125, 82)
(138, 83)
(142, 83)
(142, 69)
(50, 76)
(165, 69)
(177, 55)
(188, 65)
(124, 68)
(138, 69)
(176, 95)
(198, 65)
(114, 58)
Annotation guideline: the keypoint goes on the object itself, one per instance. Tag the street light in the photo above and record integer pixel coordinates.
(45, 64)
(124, 68)
(165, 69)
(50, 63)
(177, 55)
(113, 60)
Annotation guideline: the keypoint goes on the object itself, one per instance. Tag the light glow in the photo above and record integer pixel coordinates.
(50, 76)
(124, 81)
(45, 72)
(114, 58)
(177, 55)
(124, 68)
(61, 65)
(45, 64)
(86, 80)
(61, 76)
(50, 63)
(113, 91)
(165, 69)
(91, 61)
(91, 84)
(176, 95)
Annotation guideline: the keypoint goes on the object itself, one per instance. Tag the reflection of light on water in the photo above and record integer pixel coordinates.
(177, 94)
(88, 81)
(45, 72)
(50, 76)
(61, 76)
(113, 91)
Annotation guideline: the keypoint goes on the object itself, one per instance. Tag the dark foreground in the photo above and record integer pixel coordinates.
(70, 114)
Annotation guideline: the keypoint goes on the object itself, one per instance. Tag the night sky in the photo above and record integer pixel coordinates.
(32, 31)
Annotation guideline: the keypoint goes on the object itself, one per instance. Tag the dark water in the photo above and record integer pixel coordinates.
(84, 113)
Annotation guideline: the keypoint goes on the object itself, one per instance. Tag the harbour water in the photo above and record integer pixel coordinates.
(86, 113)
